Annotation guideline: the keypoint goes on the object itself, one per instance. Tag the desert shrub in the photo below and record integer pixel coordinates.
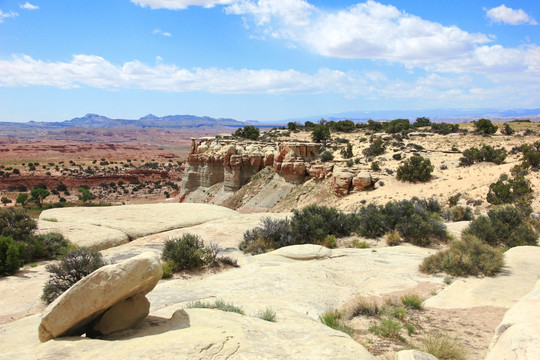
(516, 190)
(347, 153)
(415, 169)
(188, 252)
(393, 238)
(167, 268)
(320, 133)
(486, 153)
(314, 223)
(411, 218)
(421, 121)
(375, 166)
(330, 241)
(359, 244)
(247, 132)
(458, 213)
(75, 265)
(531, 155)
(327, 156)
(53, 245)
(397, 126)
(470, 256)
(17, 224)
(396, 156)
(507, 129)
(444, 128)
(412, 301)
(375, 149)
(485, 126)
(442, 346)
(10, 256)
(503, 226)
(269, 235)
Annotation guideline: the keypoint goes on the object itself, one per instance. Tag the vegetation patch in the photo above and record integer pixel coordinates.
(188, 252)
(415, 169)
(219, 304)
(485, 154)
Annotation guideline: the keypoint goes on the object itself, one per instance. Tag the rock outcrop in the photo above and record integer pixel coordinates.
(233, 163)
(99, 301)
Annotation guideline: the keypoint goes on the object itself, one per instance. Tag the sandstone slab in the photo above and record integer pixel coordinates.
(124, 315)
(92, 236)
(304, 252)
(521, 270)
(518, 335)
(413, 355)
(91, 296)
(140, 220)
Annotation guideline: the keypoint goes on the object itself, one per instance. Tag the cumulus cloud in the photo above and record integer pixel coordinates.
(506, 15)
(179, 4)
(28, 6)
(160, 32)
(4, 15)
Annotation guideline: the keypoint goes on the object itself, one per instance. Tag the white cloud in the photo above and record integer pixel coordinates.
(159, 32)
(4, 15)
(506, 15)
(28, 6)
(179, 4)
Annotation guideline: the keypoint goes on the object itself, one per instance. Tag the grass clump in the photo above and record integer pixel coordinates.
(442, 346)
(334, 319)
(267, 315)
(188, 252)
(503, 226)
(469, 256)
(75, 265)
(412, 301)
(393, 238)
(359, 244)
(219, 304)
(388, 328)
(415, 169)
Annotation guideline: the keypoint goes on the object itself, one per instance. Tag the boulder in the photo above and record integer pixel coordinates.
(413, 355)
(88, 299)
(361, 181)
(341, 182)
(124, 315)
(304, 252)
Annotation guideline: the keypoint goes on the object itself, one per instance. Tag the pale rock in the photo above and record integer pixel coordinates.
(362, 180)
(85, 301)
(413, 355)
(518, 335)
(124, 315)
(304, 252)
(341, 182)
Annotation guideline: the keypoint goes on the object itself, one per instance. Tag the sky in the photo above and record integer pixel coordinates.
(264, 60)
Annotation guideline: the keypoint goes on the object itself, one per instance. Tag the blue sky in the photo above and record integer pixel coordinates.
(264, 59)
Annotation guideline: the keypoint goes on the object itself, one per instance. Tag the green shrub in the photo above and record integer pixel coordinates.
(507, 129)
(312, 224)
(327, 156)
(458, 213)
(75, 265)
(485, 154)
(359, 244)
(516, 190)
(485, 126)
(347, 153)
(375, 149)
(503, 226)
(320, 133)
(10, 256)
(388, 328)
(167, 268)
(53, 246)
(531, 155)
(415, 169)
(444, 128)
(17, 224)
(397, 126)
(470, 256)
(412, 301)
(375, 166)
(188, 252)
(271, 234)
(247, 132)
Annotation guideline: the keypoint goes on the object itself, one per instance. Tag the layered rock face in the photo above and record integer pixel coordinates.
(211, 161)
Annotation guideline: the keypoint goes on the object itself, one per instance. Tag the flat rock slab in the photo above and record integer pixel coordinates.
(303, 252)
(92, 236)
(203, 334)
(140, 220)
(519, 275)
(518, 335)
(95, 293)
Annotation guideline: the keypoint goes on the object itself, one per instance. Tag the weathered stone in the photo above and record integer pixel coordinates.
(341, 182)
(413, 355)
(304, 252)
(361, 181)
(518, 335)
(85, 301)
(124, 315)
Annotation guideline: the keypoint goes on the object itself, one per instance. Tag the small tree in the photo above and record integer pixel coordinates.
(507, 129)
(22, 198)
(320, 133)
(292, 126)
(422, 121)
(485, 126)
(85, 195)
(5, 200)
(248, 132)
(415, 169)
(38, 195)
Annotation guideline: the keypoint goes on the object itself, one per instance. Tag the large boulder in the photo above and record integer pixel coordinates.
(362, 180)
(341, 182)
(72, 312)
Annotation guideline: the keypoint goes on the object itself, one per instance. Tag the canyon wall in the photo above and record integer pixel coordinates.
(233, 163)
